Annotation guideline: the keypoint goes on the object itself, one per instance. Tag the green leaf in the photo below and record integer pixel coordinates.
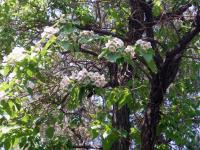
(5, 70)
(50, 132)
(69, 28)
(135, 135)
(124, 98)
(30, 91)
(113, 57)
(109, 140)
(148, 57)
(66, 45)
(94, 133)
(103, 53)
(7, 144)
(81, 93)
(29, 72)
(157, 8)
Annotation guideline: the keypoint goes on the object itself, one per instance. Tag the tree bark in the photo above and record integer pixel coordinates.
(151, 116)
(159, 83)
(122, 123)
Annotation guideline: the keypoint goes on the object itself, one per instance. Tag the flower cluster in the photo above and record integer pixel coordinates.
(84, 77)
(17, 55)
(89, 77)
(143, 44)
(114, 44)
(64, 82)
(130, 50)
(49, 31)
(190, 13)
(30, 84)
(86, 33)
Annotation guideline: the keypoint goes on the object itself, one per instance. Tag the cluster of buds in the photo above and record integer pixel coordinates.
(49, 31)
(84, 77)
(143, 44)
(114, 44)
(190, 13)
(130, 50)
(87, 33)
(17, 55)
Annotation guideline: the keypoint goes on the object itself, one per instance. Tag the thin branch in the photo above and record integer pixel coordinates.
(192, 57)
(84, 50)
(173, 14)
(86, 147)
(100, 31)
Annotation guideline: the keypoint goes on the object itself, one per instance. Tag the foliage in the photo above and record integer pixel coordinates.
(46, 103)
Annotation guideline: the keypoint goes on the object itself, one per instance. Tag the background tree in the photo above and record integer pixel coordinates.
(99, 74)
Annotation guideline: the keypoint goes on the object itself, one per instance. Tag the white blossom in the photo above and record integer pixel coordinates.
(86, 77)
(190, 13)
(82, 74)
(177, 23)
(37, 47)
(11, 76)
(2, 95)
(114, 44)
(49, 31)
(86, 33)
(30, 84)
(130, 50)
(64, 82)
(17, 55)
(143, 44)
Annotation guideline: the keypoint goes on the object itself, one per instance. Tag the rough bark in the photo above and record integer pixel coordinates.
(159, 83)
(121, 122)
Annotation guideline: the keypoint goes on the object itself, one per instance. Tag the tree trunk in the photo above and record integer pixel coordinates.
(122, 123)
(151, 116)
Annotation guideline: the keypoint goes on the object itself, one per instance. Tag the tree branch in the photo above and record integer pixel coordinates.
(86, 147)
(172, 15)
(100, 31)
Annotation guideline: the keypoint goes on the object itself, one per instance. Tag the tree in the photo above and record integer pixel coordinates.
(99, 74)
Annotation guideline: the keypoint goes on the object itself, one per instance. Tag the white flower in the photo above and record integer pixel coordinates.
(129, 49)
(33, 55)
(11, 76)
(114, 44)
(177, 23)
(49, 31)
(37, 47)
(190, 13)
(119, 42)
(82, 74)
(30, 84)
(86, 33)
(64, 82)
(17, 55)
(143, 44)
(73, 76)
(2, 95)
(112, 48)
(86, 77)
